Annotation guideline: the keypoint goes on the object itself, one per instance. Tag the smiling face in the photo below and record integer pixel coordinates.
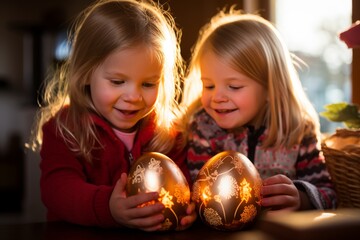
(124, 87)
(231, 98)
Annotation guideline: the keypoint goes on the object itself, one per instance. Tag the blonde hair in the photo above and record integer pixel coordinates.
(102, 28)
(253, 46)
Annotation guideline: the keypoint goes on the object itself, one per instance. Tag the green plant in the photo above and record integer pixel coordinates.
(344, 112)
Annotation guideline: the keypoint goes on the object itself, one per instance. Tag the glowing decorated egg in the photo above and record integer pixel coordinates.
(155, 172)
(227, 191)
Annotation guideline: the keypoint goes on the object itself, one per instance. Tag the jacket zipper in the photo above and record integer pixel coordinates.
(131, 158)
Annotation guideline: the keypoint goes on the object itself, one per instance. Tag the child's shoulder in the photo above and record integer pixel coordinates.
(309, 138)
(54, 120)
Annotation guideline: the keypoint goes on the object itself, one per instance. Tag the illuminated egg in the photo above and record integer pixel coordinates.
(227, 192)
(155, 172)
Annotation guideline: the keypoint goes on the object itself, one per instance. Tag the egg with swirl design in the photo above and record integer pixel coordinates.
(227, 192)
(156, 172)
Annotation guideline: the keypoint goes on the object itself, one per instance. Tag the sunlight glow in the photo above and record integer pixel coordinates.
(302, 23)
(324, 216)
(311, 31)
(226, 187)
(152, 180)
(205, 195)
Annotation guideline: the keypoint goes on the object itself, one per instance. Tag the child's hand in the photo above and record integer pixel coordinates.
(189, 219)
(279, 193)
(125, 211)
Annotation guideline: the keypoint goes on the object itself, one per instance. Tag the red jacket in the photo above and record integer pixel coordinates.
(77, 191)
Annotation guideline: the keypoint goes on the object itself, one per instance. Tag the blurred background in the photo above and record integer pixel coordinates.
(33, 38)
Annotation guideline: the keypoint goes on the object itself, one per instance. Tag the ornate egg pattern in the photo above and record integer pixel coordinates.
(227, 191)
(155, 172)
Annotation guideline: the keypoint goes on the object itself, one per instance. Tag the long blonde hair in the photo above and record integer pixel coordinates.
(102, 28)
(253, 46)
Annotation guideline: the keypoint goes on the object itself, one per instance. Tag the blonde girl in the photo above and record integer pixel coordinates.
(114, 99)
(245, 95)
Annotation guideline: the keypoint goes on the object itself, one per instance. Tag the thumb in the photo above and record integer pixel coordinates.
(120, 186)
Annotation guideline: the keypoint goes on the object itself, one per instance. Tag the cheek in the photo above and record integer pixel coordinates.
(204, 98)
(96, 89)
(150, 97)
(251, 98)
(98, 96)
(103, 98)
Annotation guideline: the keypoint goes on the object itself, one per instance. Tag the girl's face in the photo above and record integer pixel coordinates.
(229, 97)
(124, 87)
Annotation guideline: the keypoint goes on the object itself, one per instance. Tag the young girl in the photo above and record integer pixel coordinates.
(252, 101)
(114, 99)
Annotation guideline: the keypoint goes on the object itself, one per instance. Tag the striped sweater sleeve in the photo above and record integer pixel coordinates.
(313, 177)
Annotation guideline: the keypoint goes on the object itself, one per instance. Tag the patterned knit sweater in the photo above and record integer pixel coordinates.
(303, 163)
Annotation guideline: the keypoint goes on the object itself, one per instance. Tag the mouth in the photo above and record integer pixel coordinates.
(127, 112)
(224, 110)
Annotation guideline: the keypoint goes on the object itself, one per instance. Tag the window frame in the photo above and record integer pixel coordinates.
(355, 65)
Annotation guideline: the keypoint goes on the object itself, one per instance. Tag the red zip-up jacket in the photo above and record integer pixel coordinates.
(77, 191)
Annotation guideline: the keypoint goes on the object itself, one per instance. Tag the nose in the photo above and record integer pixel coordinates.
(219, 95)
(133, 95)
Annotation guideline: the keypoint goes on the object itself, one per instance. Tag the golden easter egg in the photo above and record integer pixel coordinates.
(227, 192)
(155, 172)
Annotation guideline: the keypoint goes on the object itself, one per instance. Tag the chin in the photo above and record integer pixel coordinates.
(226, 126)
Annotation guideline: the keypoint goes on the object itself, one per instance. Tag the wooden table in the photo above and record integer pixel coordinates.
(306, 225)
(66, 231)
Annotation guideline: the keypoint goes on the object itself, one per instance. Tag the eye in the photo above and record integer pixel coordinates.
(235, 87)
(207, 84)
(117, 81)
(209, 87)
(149, 84)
